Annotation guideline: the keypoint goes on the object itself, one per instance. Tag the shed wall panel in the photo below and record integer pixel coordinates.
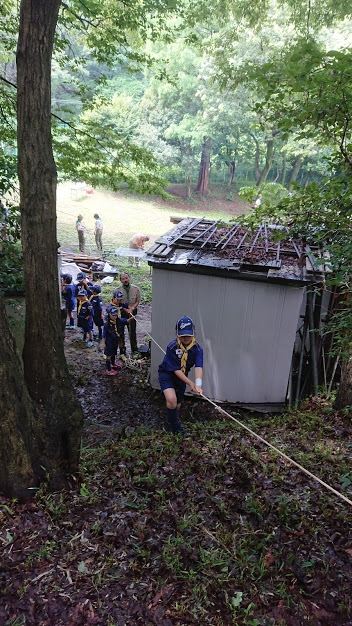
(247, 330)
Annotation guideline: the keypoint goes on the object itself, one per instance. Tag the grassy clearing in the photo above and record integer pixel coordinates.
(123, 216)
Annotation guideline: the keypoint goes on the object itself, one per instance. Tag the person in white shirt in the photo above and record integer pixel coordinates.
(81, 230)
(98, 231)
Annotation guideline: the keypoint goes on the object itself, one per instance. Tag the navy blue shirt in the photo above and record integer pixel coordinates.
(81, 285)
(172, 358)
(97, 303)
(84, 313)
(68, 294)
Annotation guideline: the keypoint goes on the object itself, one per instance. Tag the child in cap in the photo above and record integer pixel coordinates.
(69, 295)
(84, 283)
(181, 355)
(112, 337)
(97, 303)
(85, 316)
(123, 311)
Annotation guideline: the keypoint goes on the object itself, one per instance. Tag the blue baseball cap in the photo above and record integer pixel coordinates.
(185, 326)
(118, 294)
(82, 292)
(113, 310)
(81, 276)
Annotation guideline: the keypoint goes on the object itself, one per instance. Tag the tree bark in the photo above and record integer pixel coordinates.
(203, 177)
(231, 165)
(268, 162)
(295, 170)
(284, 164)
(344, 394)
(19, 429)
(45, 370)
(188, 187)
(256, 157)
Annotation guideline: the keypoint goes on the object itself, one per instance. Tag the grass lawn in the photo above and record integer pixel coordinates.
(123, 215)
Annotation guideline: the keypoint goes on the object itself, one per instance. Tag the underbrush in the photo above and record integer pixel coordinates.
(216, 529)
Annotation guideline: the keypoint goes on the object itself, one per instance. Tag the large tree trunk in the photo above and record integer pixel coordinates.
(296, 167)
(344, 394)
(45, 369)
(203, 177)
(231, 165)
(19, 434)
(256, 157)
(284, 164)
(268, 162)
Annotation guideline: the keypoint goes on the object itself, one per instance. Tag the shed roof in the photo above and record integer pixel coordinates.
(210, 247)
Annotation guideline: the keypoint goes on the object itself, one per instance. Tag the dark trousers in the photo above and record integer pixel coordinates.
(132, 333)
(81, 240)
(98, 239)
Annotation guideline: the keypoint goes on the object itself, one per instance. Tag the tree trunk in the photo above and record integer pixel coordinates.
(188, 187)
(19, 433)
(268, 162)
(295, 170)
(203, 177)
(45, 369)
(277, 173)
(284, 164)
(344, 394)
(231, 172)
(256, 157)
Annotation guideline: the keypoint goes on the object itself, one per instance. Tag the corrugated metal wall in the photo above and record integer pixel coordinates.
(247, 330)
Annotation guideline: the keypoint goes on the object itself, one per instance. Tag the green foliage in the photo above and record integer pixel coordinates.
(11, 266)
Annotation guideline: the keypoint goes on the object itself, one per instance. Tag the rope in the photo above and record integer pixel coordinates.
(287, 458)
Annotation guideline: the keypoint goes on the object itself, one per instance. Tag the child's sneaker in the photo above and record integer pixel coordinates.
(89, 344)
(110, 372)
(116, 366)
(123, 358)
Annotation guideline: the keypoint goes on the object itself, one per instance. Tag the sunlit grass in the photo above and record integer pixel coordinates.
(123, 216)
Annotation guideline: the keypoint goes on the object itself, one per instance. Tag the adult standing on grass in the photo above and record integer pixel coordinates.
(98, 231)
(132, 296)
(137, 243)
(81, 230)
(181, 355)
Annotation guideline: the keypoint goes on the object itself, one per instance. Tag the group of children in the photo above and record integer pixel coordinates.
(90, 312)
(182, 353)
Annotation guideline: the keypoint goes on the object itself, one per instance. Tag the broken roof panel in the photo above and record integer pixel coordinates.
(204, 243)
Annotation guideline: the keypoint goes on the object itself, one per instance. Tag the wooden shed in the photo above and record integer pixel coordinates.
(244, 291)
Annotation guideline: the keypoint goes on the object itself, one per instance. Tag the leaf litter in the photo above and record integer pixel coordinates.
(215, 529)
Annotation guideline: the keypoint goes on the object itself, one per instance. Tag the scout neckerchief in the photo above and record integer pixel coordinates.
(118, 308)
(185, 350)
(127, 289)
(113, 323)
(79, 306)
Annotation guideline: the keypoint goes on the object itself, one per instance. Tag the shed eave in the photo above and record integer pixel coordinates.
(237, 273)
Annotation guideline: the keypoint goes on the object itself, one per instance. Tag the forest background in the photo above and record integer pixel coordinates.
(133, 97)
